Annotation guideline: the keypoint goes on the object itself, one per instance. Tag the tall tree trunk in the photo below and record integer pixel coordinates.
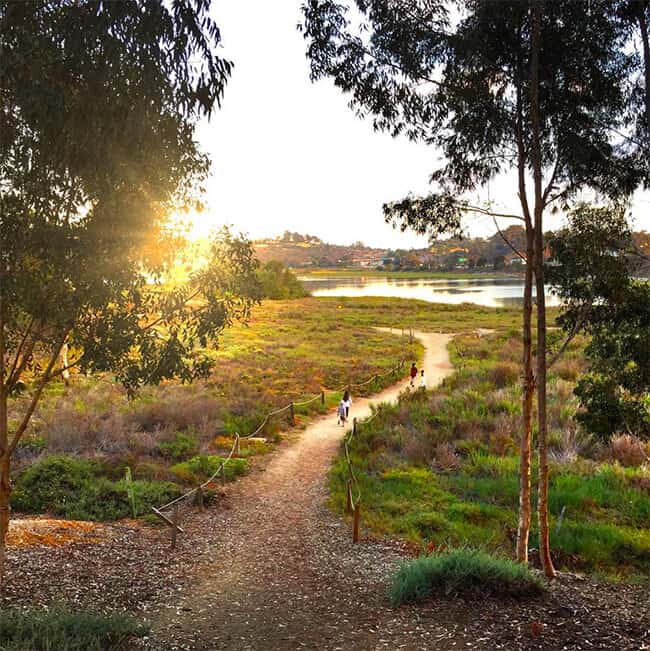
(525, 450)
(536, 162)
(528, 379)
(63, 356)
(5, 487)
(643, 27)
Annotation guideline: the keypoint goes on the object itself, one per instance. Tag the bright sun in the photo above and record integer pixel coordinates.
(194, 225)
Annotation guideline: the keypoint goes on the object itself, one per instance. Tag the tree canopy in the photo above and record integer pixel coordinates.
(98, 106)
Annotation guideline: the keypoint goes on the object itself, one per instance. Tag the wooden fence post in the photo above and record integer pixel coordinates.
(348, 504)
(175, 520)
(199, 497)
(355, 522)
(237, 446)
(354, 426)
(223, 474)
(292, 415)
(322, 397)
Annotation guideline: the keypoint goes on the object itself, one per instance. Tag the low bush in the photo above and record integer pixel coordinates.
(47, 485)
(504, 374)
(71, 488)
(183, 446)
(629, 450)
(201, 467)
(66, 630)
(462, 571)
(278, 282)
(103, 500)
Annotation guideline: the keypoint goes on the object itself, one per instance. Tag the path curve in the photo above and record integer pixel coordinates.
(282, 572)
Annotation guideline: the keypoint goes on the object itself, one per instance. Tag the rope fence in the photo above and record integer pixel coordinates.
(170, 513)
(353, 506)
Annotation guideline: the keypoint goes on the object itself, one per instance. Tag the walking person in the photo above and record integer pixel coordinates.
(423, 382)
(341, 412)
(347, 399)
(413, 374)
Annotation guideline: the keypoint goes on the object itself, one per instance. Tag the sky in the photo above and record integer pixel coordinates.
(289, 154)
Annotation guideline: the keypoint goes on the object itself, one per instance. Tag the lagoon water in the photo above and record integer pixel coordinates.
(488, 291)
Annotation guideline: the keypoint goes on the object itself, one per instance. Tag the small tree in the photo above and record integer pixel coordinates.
(537, 88)
(98, 106)
(594, 262)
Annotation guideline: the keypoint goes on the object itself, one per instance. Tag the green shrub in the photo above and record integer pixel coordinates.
(461, 571)
(203, 466)
(62, 629)
(47, 485)
(68, 487)
(105, 500)
(181, 448)
(32, 443)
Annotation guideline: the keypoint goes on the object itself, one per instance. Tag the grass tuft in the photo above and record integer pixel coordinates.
(462, 571)
(66, 630)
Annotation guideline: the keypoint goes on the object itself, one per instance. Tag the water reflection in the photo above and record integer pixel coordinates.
(491, 292)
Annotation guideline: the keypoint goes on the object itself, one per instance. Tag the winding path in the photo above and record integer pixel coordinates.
(282, 572)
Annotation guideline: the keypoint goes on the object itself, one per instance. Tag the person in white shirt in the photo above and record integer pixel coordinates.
(347, 401)
(423, 382)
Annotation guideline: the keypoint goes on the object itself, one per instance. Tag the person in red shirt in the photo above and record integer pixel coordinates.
(414, 373)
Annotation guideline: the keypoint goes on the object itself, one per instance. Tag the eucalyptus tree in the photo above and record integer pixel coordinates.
(98, 104)
(537, 89)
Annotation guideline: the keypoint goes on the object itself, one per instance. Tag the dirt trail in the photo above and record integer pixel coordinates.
(282, 572)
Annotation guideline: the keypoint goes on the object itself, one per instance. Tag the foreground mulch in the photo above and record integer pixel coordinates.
(335, 598)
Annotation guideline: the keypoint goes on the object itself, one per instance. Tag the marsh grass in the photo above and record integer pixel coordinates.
(287, 353)
(440, 469)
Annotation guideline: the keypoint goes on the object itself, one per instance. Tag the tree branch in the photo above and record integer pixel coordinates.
(570, 337)
(551, 181)
(490, 213)
(14, 366)
(45, 378)
(508, 242)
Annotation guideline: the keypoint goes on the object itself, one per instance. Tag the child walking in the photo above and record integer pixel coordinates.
(342, 413)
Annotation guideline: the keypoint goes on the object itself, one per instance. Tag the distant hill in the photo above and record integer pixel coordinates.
(478, 253)
(296, 250)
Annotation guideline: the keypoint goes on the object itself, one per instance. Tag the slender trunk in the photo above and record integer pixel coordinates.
(5, 487)
(5, 495)
(528, 379)
(643, 27)
(525, 450)
(536, 162)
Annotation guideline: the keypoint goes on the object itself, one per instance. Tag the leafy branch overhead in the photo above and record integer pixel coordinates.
(458, 77)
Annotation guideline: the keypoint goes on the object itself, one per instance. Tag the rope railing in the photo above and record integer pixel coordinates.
(197, 493)
(353, 506)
